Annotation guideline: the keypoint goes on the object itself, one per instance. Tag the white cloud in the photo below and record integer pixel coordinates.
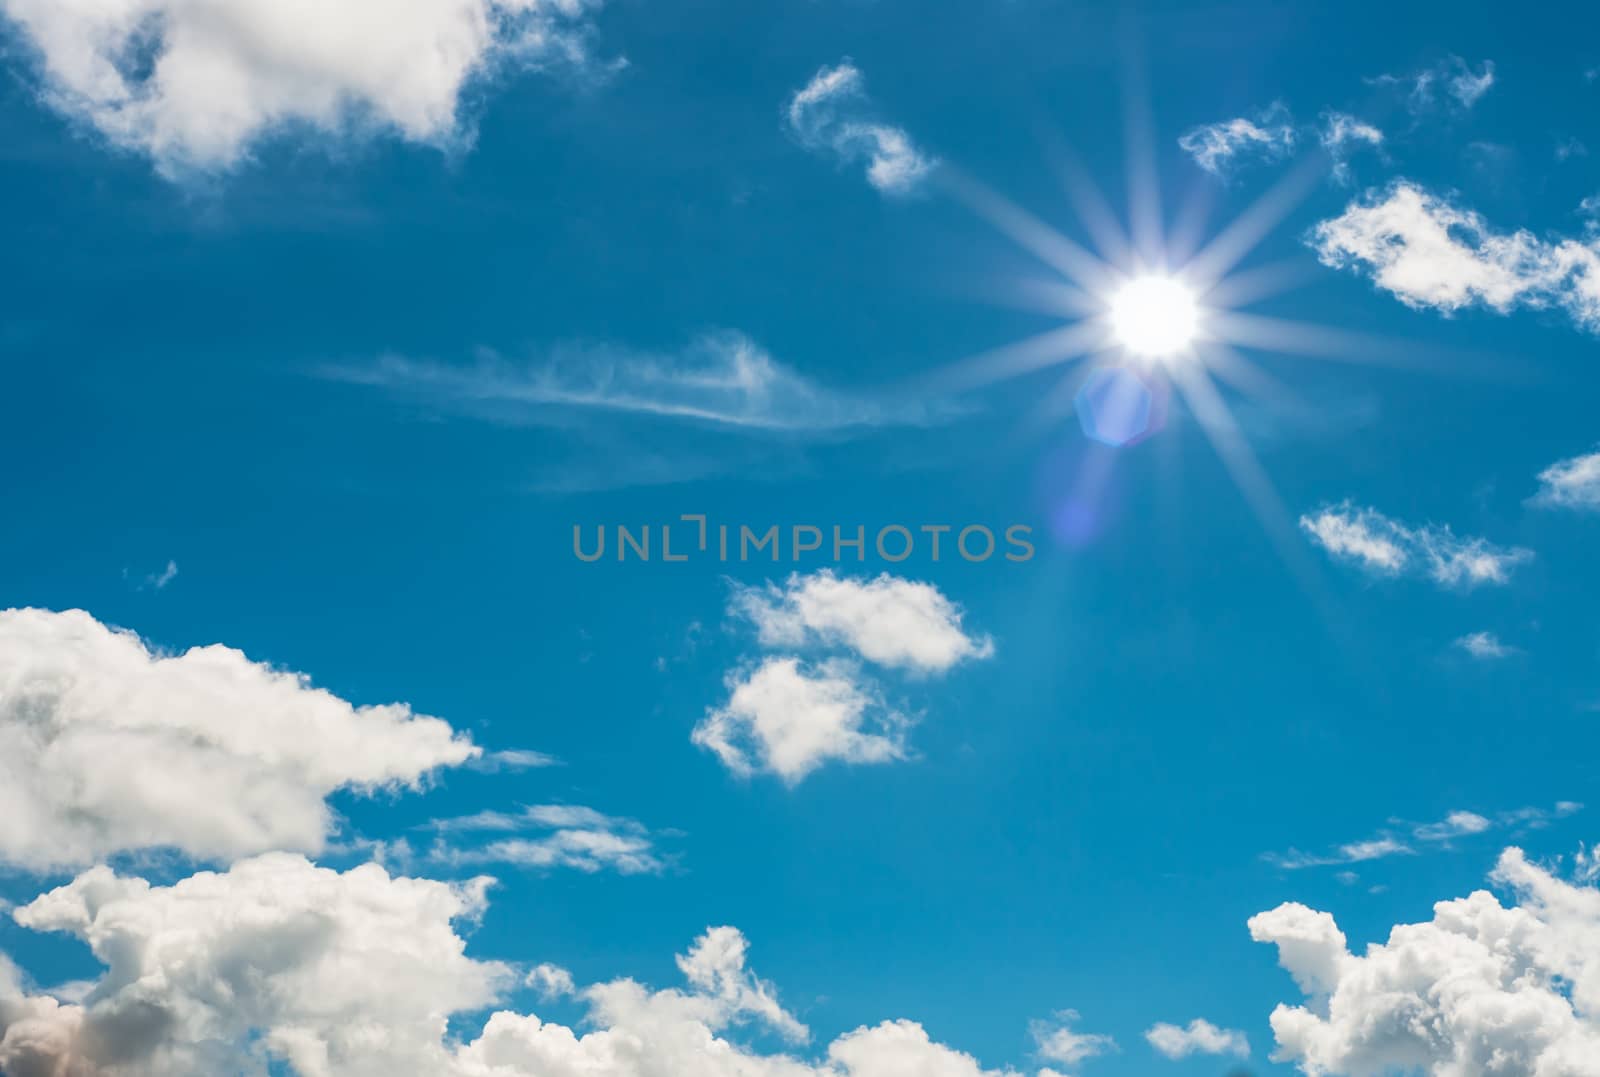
(1341, 134)
(1571, 484)
(107, 746)
(894, 622)
(1201, 1037)
(1480, 989)
(1383, 545)
(1056, 1041)
(356, 975)
(1453, 77)
(1431, 254)
(833, 114)
(578, 837)
(352, 974)
(1216, 147)
(1485, 646)
(788, 717)
(722, 379)
(195, 85)
(1456, 824)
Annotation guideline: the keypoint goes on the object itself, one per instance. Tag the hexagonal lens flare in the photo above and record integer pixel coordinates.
(1117, 407)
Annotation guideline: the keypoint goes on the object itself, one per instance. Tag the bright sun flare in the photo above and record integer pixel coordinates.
(1154, 317)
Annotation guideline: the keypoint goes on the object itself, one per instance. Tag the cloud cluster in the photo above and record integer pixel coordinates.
(788, 715)
(277, 962)
(194, 85)
(1482, 988)
(1451, 81)
(1431, 254)
(1571, 484)
(1380, 544)
(832, 114)
(108, 746)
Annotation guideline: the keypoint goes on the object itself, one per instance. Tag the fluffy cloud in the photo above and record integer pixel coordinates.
(1200, 1038)
(565, 835)
(723, 379)
(833, 114)
(194, 84)
(106, 745)
(352, 974)
(278, 962)
(789, 717)
(1216, 147)
(1485, 646)
(1368, 538)
(1432, 254)
(1480, 989)
(1571, 484)
(894, 622)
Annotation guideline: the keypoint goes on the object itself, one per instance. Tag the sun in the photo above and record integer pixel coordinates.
(1155, 317)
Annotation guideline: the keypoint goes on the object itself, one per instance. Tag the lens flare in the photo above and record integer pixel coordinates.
(1155, 317)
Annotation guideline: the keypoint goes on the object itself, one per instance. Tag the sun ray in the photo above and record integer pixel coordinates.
(1032, 234)
(1247, 230)
(1050, 348)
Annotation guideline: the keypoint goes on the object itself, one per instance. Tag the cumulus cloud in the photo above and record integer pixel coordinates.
(1431, 254)
(787, 714)
(196, 86)
(280, 963)
(1485, 646)
(354, 974)
(722, 379)
(1482, 988)
(832, 114)
(1380, 544)
(788, 717)
(562, 835)
(107, 745)
(1201, 1037)
(894, 622)
(1217, 147)
(1571, 484)
(1057, 1041)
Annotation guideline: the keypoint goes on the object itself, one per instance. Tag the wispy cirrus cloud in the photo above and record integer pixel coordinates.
(1406, 839)
(550, 836)
(1431, 254)
(832, 114)
(1218, 147)
(1381, 544)
(1451, 82)
(722, 379)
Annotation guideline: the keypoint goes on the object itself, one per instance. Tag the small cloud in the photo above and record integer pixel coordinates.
(833, 114)
(1485, 646)
(1573, 483)
(154, 581)
(1201, 1037)
(551, 981)
(512, 759)
(564, 836)
(1342, 134)
(1056, 1040)
(1217, 147)
(1451, 82)
(1455, 825)
(1379, 544)
(1569, 148)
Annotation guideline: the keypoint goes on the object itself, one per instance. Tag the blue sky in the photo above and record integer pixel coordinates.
(325, 329)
